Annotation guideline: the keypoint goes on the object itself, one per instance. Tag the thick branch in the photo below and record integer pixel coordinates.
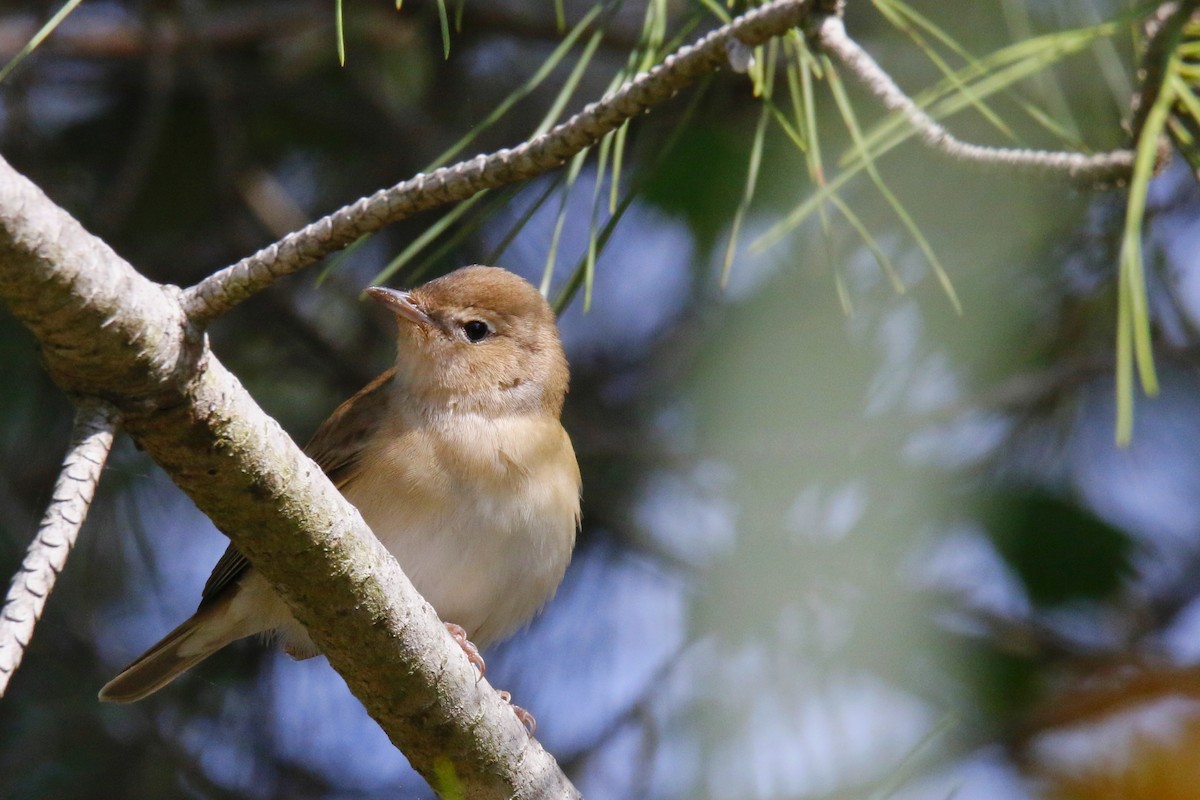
(221, 291)
(102, 326)
(91, 439)
(110, 332)
(1088, 170)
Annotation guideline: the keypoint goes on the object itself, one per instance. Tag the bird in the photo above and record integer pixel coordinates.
(456, 459)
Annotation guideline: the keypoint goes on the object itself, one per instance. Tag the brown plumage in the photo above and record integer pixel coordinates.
(456, 459)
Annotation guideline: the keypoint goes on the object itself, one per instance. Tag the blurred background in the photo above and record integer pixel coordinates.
(840, 540)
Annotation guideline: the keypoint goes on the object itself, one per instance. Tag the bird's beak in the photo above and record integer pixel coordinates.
(400, 303)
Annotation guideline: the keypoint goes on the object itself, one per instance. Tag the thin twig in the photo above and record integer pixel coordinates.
(91, 439)
(1102, 169)
(1163, 30)
(223, 290)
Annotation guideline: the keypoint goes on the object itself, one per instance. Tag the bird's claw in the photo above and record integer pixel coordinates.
(459, 635)
(524, 716)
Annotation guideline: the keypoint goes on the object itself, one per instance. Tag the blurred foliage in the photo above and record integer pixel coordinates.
(804, 570)
(704, 197)
(1061, 552)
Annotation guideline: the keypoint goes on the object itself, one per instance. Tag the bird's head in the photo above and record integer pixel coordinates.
(479, 339)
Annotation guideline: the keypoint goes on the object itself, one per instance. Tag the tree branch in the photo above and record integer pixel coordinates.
(1089, 170)
(91, 439)
(108, 331)
(221, 291)
(1163, 31)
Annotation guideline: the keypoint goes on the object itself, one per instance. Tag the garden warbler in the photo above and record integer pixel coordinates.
(455, 458)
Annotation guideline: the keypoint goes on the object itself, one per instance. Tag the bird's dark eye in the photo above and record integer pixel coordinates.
(476, 330)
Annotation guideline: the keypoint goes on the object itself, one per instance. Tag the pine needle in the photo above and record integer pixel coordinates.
(568, 88)
(520, 92)
(339, 258)
(461, 232)
(339, 30)
(869, 241)
(900, 15)
(756, 150)
(994, 73)
(560, 221)
(847, 111)
(1133, 314)
(614, 184)
(515, 229)
(809, 68)
(575, 282)
(39, 37)
(444, 23)
(429, 234)
(718, 12)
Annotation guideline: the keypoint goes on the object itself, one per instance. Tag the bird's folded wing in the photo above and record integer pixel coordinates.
(337, 447)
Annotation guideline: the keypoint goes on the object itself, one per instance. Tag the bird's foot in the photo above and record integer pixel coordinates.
(526, 718)
(460, 637)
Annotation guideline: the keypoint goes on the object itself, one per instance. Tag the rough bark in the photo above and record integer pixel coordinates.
(46, 555)
(111, 333)
(108, 332)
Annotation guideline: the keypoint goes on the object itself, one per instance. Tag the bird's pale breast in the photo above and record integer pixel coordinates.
(480, 512)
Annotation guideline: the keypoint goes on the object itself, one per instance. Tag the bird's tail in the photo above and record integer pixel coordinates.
(201, 635)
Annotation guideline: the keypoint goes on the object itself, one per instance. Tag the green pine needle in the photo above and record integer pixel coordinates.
(39, 37)
(520, 92)
(867, 158)
(498, 251)
(568, 88)
(419, 244)
(444, 23)
(997, 72)
(339, 32)
(1133, 315)
(756, 150)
